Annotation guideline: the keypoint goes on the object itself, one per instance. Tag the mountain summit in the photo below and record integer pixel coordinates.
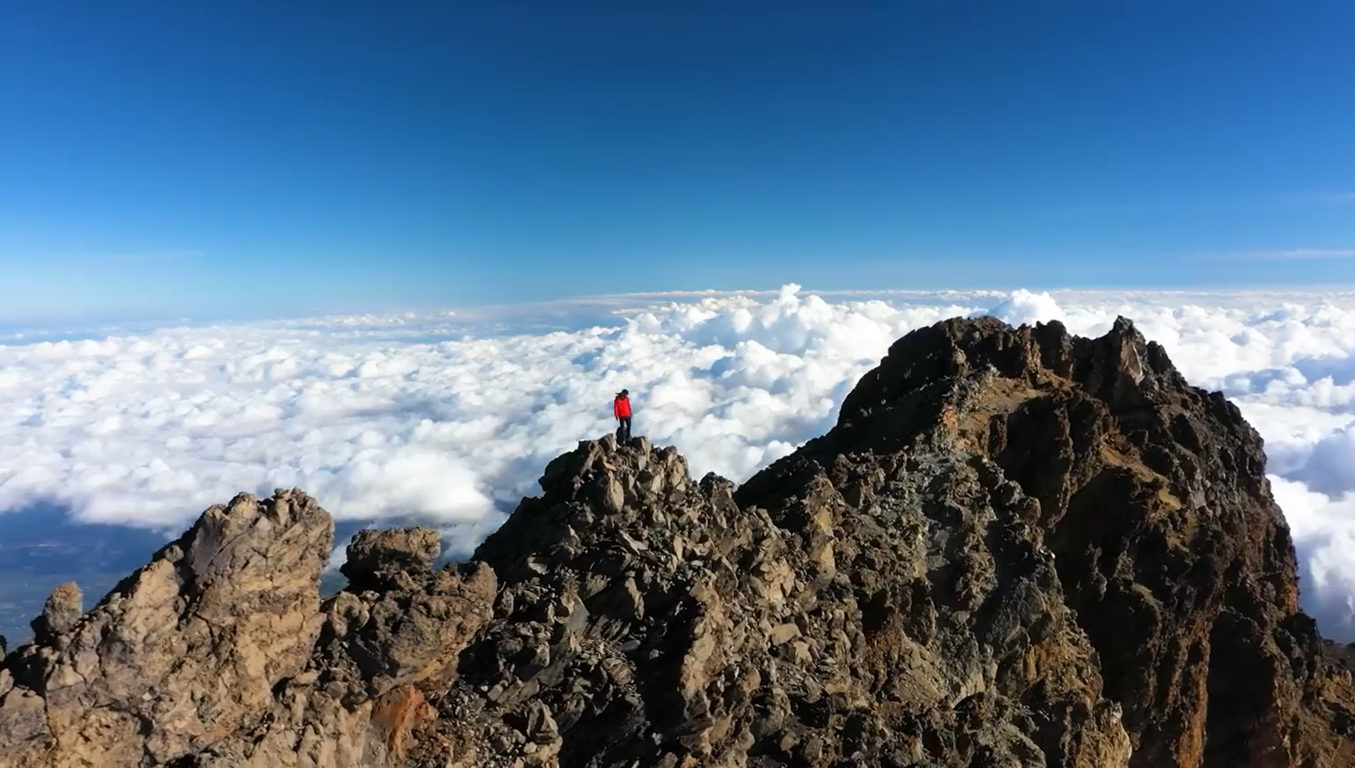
(1016, 548)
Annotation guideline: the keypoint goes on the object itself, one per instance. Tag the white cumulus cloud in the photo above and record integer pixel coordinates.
(450, 417)
(1024, 308)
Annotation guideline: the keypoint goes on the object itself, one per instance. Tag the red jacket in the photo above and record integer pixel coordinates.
(621, 407)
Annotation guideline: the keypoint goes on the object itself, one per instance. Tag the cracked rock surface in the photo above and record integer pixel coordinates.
(1016, 548)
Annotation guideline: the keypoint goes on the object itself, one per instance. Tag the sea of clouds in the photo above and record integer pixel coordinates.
(450, 417)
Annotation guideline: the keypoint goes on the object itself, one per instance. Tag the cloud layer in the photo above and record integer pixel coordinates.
(451, 417)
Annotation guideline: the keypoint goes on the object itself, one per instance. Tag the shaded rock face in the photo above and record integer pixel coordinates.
(1016, 548)
(675, 627)
(1152, 497)
(379, 649)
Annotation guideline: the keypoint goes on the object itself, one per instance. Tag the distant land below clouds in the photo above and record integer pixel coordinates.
(448, 417)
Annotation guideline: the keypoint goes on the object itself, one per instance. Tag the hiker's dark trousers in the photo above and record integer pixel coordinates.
(623, 431)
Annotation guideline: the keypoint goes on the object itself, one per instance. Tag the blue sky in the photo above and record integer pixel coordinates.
(281, 157)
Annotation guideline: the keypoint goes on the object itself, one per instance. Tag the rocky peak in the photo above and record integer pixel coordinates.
(931, 374)
(1152, 498)
(182, 652)
(1017, 547)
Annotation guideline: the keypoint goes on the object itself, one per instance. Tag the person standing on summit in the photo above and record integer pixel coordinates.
(621, 409)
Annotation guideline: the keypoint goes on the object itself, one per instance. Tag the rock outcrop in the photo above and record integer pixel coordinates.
(1154, 501)
(180, 655)
(1016, 548)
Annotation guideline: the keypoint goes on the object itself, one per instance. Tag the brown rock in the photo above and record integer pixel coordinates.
(1016, 548)
(193, 642)
(397, 714)
(60, 613)
(1151, 495)
(372, 551)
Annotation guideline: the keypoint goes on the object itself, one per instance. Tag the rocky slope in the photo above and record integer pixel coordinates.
(1016, 548)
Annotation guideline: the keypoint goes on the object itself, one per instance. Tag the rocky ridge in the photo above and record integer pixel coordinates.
(1016, 548)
